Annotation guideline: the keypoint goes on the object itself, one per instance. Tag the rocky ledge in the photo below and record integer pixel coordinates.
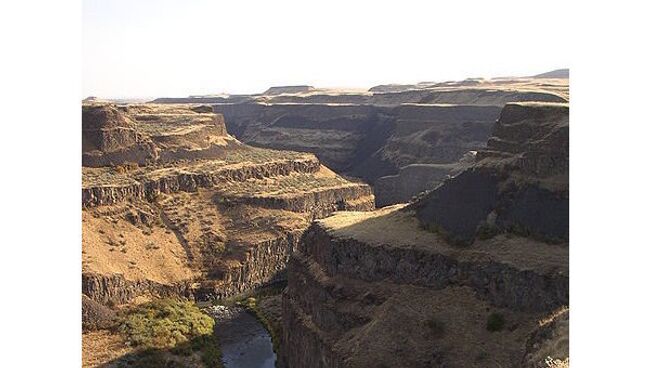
(113, 185)
(204, 216)
(519, 184)
(148, 134)
(469, 274)
(356, 275)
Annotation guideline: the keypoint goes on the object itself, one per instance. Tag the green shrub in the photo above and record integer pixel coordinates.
(165, 323)
(495, 322)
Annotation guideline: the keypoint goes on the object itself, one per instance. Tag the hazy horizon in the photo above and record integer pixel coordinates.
(147, 49)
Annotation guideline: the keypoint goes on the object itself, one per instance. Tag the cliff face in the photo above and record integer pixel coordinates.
(361, 140)
(115, 289)
(103, 186)
(470, 274)
(374, 134)
(519, 183)
(149, 134)
(332, 132)
(362, 284)
(110, 136)
(206, 217)
(417, 178)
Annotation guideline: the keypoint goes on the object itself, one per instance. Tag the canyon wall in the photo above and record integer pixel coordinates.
(473, 273)
(520, 182)
(205, 216)
(365, 141)
(147, 184)
(374, 134)
(417, 178)
(361, 285)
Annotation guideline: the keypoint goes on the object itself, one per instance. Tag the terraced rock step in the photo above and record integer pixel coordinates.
(110, 186)
(417, 178)
(149, 134)
(388, 245)
(115, 289)
(364, 282)
(474, 273)
(320, 193)
(520, 182)
(205, 216)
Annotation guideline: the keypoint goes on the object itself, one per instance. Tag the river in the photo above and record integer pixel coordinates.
(245, 343)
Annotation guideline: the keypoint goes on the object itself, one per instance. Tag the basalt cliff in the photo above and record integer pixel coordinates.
(474, 273)
(175, 206)
(377, 134)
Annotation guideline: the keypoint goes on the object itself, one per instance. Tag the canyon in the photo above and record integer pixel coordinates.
(374, 134)
(415, 285)
(173, 205)
(411, 225)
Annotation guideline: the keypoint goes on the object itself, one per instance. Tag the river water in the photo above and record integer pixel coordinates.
(245, 343)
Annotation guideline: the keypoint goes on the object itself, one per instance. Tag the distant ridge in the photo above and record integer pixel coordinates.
(558, 73)
(273, 91)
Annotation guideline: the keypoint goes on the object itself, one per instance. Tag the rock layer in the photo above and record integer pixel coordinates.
(364, 140)
(234, 212)
(148, 134)
(466, 273)
(372, 134)
(519, 183)
(352, 285)
(188, 179)
(417, 178)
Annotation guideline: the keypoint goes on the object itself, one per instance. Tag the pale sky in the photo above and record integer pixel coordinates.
(155, 48)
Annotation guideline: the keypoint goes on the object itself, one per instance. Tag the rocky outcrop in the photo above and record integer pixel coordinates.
(149, 134)
(95, 316)
(360, 284)
(263, 263)
(109, 136)
(115, 289)
(519, 183)
(187, 181)
(416, 178)
(318, 203)
(501, 284)
(535, 136)
(549, 343)
(356, 293)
